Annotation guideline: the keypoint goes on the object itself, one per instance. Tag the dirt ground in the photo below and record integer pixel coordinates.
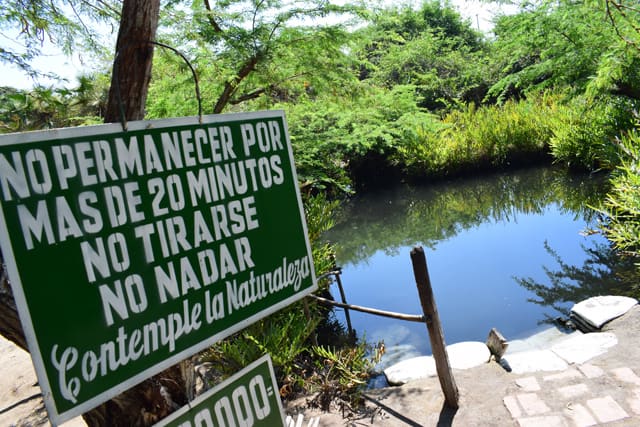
(483, 388)
(420, 403)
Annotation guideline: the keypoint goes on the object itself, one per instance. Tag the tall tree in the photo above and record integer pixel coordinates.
(246, 50)
(133, 60)
(154, 398)
(549, 44)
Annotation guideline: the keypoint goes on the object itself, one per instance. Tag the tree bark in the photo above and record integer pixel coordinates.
(133, 60)
(10, 326)
(231, 86)
(156, 397)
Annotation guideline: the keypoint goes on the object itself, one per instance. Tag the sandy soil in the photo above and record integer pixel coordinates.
(20, 397)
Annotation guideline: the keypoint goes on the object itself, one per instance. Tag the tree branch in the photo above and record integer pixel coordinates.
(232, 85)
(256, 93)
(212, 21)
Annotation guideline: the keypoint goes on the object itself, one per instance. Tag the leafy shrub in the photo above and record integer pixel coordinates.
(622, 205)
(584, 132)
(477, 138)
(289, 336)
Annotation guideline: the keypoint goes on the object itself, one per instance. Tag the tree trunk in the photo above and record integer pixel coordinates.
(154, 398)
(10, 326)
(133, 60)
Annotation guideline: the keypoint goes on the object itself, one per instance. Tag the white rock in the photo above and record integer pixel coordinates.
(465, 355)
(599, 310)
(411, 369)
(543, 339)
(581, 348)
(533, 361)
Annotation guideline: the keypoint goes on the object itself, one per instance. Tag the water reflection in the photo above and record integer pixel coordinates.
(479, 236)
(603, 272)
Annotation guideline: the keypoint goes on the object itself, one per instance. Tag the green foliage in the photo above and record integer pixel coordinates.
(254, 53)
(47, 108)
(618, 73)
(332, 137)
(288, 335)
(71, 25)
(622, 205)
(340, 375)
(548, 44)
(283, 335)
(585, 132)
(431, 48)
(477, 138)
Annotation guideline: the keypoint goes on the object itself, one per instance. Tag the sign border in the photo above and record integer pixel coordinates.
(16, 281)
(204, 396)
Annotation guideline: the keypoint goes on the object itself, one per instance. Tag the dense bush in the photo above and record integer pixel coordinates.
(479, 138)
(584, 132)
(622, 205)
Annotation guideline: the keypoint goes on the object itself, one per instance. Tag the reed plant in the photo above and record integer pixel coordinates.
(473, 138)
(585, 131)
(622, 204)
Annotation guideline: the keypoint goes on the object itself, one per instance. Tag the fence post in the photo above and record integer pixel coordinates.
(434, 327)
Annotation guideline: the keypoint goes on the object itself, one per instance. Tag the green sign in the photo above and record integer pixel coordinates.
(130, 251)
(248, 398)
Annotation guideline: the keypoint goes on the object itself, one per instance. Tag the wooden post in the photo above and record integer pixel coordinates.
(434, 327)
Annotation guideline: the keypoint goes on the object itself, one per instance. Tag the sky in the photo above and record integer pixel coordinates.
(479, 13)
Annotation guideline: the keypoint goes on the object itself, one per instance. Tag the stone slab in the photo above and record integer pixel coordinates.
(606, 409)
(591, 371)
(626, 375)
(528, 384)
(574, 390)
(599, 310)
(533, 361)
(532, 404)
(548, 421)
(580, 416)
(582, 348)
(569, 374)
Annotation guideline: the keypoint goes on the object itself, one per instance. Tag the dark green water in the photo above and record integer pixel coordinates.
(489, 243)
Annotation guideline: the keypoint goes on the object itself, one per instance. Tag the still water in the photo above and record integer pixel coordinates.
(490, 243)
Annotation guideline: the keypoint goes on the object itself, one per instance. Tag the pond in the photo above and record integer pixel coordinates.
(492, 245)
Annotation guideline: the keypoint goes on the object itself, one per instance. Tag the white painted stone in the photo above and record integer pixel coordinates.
(565, 376)
(513, 406)
(533, 361)
(411, 369)
(626, 375)
(599, 310)
(396, 354)
(581, 348)
(540, 340)
(591, 371)
(532, 404)
(547, 421)
(467, 354)
(574, 390)
(606, 409)
(580, 416)
(463, 355)
(528, 384)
